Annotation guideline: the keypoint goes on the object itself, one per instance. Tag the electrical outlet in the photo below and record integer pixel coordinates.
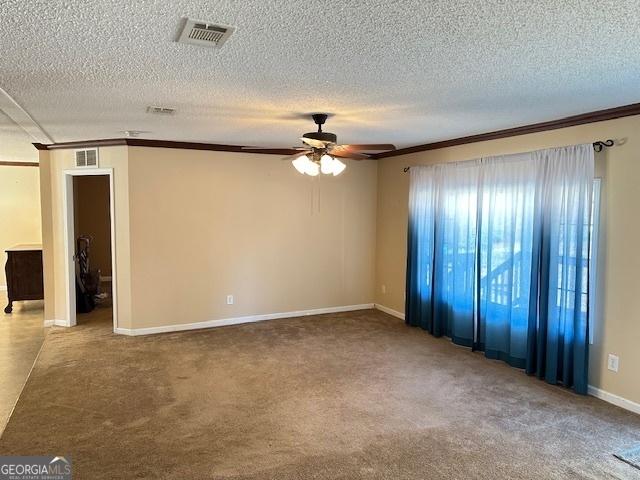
(612, 362)
(383, 289)
(229, 299)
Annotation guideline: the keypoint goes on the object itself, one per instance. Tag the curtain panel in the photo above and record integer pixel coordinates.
(498, 258)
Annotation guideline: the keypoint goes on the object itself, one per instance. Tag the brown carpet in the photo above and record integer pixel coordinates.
(352, 395)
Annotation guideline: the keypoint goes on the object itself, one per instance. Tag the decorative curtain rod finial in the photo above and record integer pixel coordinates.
(599, 145)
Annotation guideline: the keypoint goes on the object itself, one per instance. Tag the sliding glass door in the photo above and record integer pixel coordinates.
(499, 256)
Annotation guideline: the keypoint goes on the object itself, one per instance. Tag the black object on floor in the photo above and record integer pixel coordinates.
(631, 456)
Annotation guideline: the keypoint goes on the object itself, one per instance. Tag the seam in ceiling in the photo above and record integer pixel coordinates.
(21, 117)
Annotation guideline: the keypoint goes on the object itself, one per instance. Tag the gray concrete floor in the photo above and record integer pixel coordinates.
(21, 336)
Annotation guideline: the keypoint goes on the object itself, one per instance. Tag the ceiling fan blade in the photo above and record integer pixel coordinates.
(248, 147)
(351, 155)
(314, 143)
(272, 150)
(297, 155)
(370, 147)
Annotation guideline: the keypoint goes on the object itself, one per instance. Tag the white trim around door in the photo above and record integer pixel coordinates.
(69, 241)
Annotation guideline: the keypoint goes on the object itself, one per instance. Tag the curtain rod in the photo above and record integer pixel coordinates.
(598, 146)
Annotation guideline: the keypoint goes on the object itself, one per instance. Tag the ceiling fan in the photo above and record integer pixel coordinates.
(321, 151)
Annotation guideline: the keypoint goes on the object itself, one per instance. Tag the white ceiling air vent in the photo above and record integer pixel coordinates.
(161, 110)
(196, 32)
(87, 158)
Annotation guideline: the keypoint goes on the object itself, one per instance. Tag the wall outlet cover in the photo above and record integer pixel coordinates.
(613, 362)
(229, 299)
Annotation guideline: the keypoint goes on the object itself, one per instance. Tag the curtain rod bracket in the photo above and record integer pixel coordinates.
(599, 145)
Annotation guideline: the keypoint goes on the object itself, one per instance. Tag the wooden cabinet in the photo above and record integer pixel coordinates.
(24, 274)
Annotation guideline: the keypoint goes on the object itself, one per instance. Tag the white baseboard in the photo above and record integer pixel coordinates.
(238, 320)
(614, 399)
(56, 323)
(390, 311)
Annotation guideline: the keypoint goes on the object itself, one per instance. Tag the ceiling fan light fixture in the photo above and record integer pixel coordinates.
(301, 163)
(337, 167)
(312, 168)
(326, 164)
(321, 149)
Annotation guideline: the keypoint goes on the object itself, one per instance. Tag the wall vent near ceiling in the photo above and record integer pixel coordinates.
(161, 110)
(196, 32)
(87, 158)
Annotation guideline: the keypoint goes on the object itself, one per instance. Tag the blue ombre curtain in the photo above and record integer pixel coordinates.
(506, 251)
(441, 271)
(498, 258)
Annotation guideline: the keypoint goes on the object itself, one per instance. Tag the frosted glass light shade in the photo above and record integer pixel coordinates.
(326, 164)
(300, 163)
(337, 167)
(312, 168)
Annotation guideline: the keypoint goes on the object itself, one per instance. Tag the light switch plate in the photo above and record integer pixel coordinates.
(229, 299)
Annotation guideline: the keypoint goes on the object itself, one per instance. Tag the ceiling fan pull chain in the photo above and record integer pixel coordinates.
(315, 195)
(312, 198)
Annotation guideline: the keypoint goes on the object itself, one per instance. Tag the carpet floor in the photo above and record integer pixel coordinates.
(347, 396)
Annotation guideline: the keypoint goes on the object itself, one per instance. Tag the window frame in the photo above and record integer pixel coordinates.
(594, 244)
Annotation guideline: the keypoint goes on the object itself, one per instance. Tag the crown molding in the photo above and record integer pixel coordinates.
(109, 142)
(19, 164)
(143, 142)
(583, 118)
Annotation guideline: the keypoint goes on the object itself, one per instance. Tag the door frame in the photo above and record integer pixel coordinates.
(69, 239)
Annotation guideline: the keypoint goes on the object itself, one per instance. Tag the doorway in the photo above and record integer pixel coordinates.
(90, 247)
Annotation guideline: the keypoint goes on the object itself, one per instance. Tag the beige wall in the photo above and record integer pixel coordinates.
(618, 328)
(195, 226)
(19, 210)
(46, 212)
(208, 224)
(91, 198)
(52, 167)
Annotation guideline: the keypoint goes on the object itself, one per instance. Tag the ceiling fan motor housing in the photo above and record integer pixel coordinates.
(322, 136)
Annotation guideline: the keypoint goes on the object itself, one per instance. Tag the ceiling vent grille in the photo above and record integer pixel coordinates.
(87, 158)
(161, 110)
(196, 32)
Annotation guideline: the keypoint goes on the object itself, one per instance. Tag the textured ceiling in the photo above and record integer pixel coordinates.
(406, 72)
(15, 144)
